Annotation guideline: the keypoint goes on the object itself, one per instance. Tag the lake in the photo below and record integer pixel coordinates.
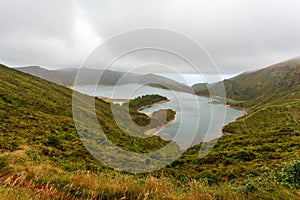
(196, 119)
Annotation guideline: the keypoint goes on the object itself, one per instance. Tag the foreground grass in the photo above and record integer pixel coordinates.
(85, 185)
(24, 176)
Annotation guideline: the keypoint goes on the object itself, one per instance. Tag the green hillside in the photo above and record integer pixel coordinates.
(265, 138)
(38, 114)
(274, 83)
(41, 156)
(271, 96)
(268, 135)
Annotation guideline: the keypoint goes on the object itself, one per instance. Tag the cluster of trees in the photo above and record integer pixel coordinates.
(145, 100)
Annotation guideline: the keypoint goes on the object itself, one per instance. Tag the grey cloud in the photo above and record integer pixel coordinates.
(239, 35)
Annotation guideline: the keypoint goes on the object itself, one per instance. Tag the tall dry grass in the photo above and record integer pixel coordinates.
(30, 180)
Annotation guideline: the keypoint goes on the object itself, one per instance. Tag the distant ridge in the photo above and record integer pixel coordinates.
(67, 77)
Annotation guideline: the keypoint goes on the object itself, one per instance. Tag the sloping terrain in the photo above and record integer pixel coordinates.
(38, 113)
(268, 135)
(42, 157)
(269, 84)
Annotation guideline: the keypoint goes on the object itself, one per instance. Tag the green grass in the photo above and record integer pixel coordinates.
(26, 179)
(42, 157)
(269, 135)
(146, 100)
(39, 113)
(279, 81)
(157, 119)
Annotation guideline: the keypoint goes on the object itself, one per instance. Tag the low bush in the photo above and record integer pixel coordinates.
(289, 175)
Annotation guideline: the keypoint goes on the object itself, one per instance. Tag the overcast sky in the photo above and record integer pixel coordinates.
(238, 35)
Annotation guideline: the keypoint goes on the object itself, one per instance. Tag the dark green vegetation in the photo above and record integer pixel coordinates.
(267, 136)
(156, 119)
(38, 113)
(146, 100)
(42, 156)
(275, 83)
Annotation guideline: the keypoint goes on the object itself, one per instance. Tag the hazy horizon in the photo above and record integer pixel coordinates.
(188, 79)
(239, 36)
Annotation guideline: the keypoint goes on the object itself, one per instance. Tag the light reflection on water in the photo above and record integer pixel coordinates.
(196, 120)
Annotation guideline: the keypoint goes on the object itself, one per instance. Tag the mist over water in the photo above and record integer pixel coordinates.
(191, 79)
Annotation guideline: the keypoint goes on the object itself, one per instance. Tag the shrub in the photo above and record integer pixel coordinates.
(290, 174)
(3, 162)
(33, 154)
(245, 155)
(53, 140)
(231, 176)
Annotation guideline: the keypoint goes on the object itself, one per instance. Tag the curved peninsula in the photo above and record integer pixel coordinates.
(153, 123)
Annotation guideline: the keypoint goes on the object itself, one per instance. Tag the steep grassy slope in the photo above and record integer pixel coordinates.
(267, 136)
(42, 157)
(271, 96)
(36, 112)
(272, 83)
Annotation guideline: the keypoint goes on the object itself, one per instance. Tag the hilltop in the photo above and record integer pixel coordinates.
(278, 81)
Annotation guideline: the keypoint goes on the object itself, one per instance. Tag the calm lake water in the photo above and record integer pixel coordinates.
(196, 120)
